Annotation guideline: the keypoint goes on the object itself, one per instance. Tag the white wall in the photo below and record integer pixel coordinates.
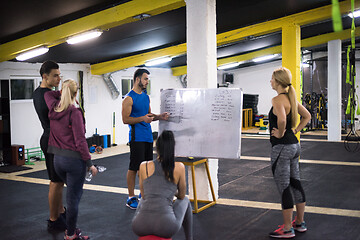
(99, 106)
(25, 125)
(255, 80)
(99, 109)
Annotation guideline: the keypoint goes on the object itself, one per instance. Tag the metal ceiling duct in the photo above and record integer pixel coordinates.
(115, 92)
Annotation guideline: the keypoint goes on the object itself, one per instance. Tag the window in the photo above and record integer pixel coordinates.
(22, 89)
(127, 84)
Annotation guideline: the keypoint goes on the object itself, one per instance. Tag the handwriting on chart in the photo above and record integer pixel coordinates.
(222, 107)
(175, 109)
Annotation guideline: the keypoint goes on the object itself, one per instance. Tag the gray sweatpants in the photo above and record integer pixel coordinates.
(164, 223)
(285, 168)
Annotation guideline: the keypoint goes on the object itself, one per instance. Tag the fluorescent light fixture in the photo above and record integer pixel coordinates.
(32, 53)
(305, 64)
(142, 16)
(158, 61)
(229, 65)
(264, 58)
(84, 37)
(356, 14)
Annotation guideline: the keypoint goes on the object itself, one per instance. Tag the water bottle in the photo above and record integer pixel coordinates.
(100, 168)
(89, 175)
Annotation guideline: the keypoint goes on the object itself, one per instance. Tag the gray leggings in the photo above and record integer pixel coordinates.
(285, 168)
(166, 223)
(72, 171)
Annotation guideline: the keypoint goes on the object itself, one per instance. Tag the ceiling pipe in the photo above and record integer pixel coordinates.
(108, 79)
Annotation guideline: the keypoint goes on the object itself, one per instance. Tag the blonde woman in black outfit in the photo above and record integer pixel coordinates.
(285, 152)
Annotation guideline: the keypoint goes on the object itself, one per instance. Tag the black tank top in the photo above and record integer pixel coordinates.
(289, 136)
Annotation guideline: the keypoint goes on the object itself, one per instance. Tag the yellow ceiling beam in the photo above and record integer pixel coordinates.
(104, 20)
(307, 42)
(181, 70)
(321, 39)
(248, 56)
(303, 18)
(306, 17)
(127, 62)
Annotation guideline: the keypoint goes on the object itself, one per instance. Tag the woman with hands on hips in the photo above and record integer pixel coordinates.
(285, 152)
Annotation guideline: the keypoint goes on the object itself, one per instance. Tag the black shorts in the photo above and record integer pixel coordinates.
(139, 152)
(49, 159)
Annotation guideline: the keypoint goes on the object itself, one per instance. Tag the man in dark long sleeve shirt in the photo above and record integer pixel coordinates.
(50, 74)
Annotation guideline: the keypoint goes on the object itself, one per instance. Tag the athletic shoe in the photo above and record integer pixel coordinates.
(132, 203)
(299, 227)
(77, 236)
(281, 233)
(59, 224)
(63, 215)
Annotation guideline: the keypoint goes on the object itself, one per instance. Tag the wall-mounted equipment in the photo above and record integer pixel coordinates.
(228, 78)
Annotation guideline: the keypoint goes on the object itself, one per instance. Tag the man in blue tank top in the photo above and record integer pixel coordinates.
(136, 112)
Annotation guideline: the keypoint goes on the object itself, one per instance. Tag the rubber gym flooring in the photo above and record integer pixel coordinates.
(248, 205)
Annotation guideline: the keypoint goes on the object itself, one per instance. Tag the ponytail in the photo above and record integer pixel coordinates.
(165, 147)
(68, 94)
(294, 106)
(283, 77)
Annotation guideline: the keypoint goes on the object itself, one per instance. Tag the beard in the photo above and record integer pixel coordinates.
(142, 86)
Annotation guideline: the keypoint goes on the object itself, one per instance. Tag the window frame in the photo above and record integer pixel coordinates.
(36, 82)
(148, 87)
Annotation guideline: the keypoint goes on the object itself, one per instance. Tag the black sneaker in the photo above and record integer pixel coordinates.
(63, 215)
(59, 224)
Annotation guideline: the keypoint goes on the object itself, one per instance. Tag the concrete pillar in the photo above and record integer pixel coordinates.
(334, 90)
(201, 43)
(202, 73)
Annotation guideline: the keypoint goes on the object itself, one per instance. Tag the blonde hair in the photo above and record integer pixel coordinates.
(283, 77)
(68, 93)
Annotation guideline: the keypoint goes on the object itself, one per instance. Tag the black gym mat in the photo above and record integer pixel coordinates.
(13, 168)
(114, 175)
(103, 215)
